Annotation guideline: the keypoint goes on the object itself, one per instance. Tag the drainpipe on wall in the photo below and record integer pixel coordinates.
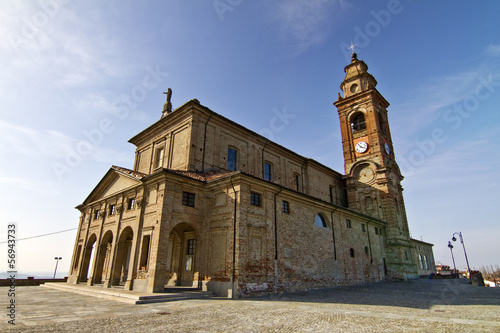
(333, 235)
(151, 158)
(369, 243)
(233, 277)
(276, 243)
(302, 176)
(204, 145)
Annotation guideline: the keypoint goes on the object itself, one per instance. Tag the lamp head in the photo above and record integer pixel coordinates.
(454, 239)
(449, 245)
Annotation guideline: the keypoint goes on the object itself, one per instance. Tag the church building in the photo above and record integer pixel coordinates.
(213, 205)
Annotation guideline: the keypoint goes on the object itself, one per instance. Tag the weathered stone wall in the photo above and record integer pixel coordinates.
(253, 151)
(167, 144)
(306, 256)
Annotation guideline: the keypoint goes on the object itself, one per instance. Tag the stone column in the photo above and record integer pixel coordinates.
(114, 247)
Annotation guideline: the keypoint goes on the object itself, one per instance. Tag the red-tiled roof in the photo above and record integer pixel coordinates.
(133, 173)
(208, 176)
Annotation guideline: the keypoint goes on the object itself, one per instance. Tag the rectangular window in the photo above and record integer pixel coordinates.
(363, 228)
(232, 159)
(131, 203)
(376, 231)
(143, 264)
(348, 223)
(268, 171)
(255, 199)
(190, 247)
(285, 207)
(190, 254)
(112, 209)
(331, 194)
(189, 263)
(96, 214)
(188, 199)
(296, 183)
(159, 157)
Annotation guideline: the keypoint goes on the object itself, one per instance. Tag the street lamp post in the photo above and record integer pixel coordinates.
(463, 245)
(452, 257)
(57, 262)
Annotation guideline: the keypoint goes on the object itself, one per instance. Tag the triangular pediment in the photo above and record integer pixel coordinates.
(116, 180)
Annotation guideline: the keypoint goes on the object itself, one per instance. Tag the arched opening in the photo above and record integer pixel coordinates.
(121, 267)
(381, 123)
(358, 122)
(87, 257)
(320, 221)
(181, 263)
(103, 257)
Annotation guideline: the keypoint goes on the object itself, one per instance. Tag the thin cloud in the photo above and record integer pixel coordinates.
(36, 185)
(49, 144)
(442, 92)
(70, 57)
(444, 169)
(438, 94)
(305, 22)
(493, 50)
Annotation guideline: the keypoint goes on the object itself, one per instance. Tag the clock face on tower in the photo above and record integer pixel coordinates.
(361, 147)
(387, 148)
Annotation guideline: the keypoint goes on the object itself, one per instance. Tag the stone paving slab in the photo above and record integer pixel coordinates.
(410, 306)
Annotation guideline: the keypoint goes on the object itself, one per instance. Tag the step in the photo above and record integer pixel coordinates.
(175, 289)
(128, 296)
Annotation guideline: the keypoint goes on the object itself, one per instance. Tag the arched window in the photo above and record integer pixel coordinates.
(426, 262)
(421, 261)
(358, 122)
(268, 171)
(320, 221)
(381, 123)
(232, 159)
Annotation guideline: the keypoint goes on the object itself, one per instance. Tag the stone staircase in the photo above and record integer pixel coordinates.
(171, 293)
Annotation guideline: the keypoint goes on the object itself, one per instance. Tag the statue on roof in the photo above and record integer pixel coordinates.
(167, 107)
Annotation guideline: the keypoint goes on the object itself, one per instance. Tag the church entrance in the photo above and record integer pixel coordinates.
(181, 264)
(103, 255)
(121, 267)
(88, 256)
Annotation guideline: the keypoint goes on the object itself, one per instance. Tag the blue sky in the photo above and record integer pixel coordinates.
(78, 79)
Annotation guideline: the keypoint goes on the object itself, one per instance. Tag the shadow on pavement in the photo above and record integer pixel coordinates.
(420, 294)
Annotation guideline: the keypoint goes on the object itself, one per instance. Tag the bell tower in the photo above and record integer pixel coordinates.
(373, 178)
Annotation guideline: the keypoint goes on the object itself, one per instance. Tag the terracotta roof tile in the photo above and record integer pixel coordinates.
(133, 173)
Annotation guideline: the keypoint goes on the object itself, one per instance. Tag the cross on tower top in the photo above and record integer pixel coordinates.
(354, 56)
(352, 47)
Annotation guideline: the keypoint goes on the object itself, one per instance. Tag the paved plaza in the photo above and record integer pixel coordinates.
(410, 306)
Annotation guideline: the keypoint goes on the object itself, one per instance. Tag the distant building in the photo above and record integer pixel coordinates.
(445, 270)
(424, 257)
(212, 204)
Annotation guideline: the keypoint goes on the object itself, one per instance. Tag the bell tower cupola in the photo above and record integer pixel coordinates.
(357, 79)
